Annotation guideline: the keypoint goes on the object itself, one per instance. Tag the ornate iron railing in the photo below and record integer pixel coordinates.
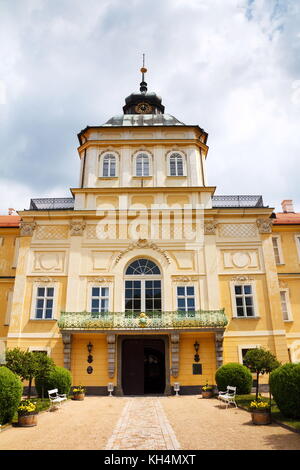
(149, 320)
(50, 204)
(237, 201)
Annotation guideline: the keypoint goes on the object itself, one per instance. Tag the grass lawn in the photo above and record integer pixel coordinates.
(244, 401)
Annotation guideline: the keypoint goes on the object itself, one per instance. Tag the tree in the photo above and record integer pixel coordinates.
(28, 365)
(45, 365)
(260, 361)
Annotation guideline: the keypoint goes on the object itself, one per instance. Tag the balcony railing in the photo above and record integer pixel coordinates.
(52, 204)
(148, 320)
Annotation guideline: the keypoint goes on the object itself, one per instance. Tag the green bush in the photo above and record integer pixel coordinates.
(236, 375)
(11, 389)
(59, 378)
(285, 388)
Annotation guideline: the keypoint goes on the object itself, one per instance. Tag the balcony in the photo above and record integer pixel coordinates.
(205, 320)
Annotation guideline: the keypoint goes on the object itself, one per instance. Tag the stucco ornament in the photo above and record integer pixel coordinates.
(27, 228)
(264, 225)
(210, 227)
(143, 243)
(77, 227)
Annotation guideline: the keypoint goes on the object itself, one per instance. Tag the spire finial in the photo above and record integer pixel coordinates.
(143, 84)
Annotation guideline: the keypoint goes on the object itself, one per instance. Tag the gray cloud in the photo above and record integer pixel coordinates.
(232, 67)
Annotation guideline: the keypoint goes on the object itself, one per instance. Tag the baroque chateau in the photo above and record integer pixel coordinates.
(143, 278)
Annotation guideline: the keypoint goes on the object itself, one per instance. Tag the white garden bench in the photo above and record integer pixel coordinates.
(55, 397)
(228, 396)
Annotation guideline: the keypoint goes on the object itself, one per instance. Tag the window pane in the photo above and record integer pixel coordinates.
(238, 289)
(40, 303)
(104, 305)
(247, 289)
(95, 304)
(239, 301)
(240, 312)
(190, 290)
(50, 291)
(49, 303)
(41, 291)
(39, 313)
(181, 303)
(95, 291)
(104, 291)
(250, 312)
(49, 313)
(191, 302)
(180, 291)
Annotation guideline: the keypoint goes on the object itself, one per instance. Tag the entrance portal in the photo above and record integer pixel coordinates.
(143, 366)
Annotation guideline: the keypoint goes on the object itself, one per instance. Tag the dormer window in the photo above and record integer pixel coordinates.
(176, 164)
(142, 165)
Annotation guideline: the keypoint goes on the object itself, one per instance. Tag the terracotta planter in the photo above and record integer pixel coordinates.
(27, 420)
(261, 416)
(207, 393)
(78, 396)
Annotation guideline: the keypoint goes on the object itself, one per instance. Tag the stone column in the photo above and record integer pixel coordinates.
(111, 355)
(175, 338)
(219, 349)
(67, 341)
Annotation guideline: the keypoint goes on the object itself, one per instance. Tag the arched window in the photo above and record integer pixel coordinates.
(143, 291)
(142, 266)
(142, 166)
(109, 165)
(176, 164)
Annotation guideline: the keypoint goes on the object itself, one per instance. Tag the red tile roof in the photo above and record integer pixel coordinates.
(287, 218)
(9, 220)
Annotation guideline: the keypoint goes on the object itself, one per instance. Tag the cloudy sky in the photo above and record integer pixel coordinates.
(230, 66)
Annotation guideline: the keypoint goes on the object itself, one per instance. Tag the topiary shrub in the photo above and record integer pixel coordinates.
(59, 378)
(236, 375)
(285, 388)
(11, 389)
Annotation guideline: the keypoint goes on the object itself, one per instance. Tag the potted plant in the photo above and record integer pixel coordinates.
(27, 413)
(260, 412)
(78, 393)
(207, 391)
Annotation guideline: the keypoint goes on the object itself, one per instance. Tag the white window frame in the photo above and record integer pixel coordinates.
(297, 241)
(183, 164)
(101, 164)
(54, 285)
(287, 303)
(279, 249)
(40, 349)
(186, 296)
(233, 284)
(100, 297)
(245, 346)
(135, 158)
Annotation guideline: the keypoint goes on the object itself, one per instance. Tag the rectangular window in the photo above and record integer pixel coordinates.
(285, 305)
(244, 300)
(44, 303)
(298, 246)
(100, 299)
(186, 298)
(277, 250)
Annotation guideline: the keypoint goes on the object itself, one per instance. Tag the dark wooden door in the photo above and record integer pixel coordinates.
(133, 367)
(143, 366)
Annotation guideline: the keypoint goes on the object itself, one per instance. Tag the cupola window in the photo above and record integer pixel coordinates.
(109, 166)
(176, 165)
(142, 165)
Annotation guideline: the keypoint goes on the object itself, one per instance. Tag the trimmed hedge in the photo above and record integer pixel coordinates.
(59, 378)
(236, 375)
(285, 388)
(11, 389)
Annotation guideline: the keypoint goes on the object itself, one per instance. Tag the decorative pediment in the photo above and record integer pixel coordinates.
(143, 243)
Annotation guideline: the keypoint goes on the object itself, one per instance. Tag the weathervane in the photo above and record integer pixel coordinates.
(143, 84)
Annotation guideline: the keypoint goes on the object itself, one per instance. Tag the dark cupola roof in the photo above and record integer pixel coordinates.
(143, 102)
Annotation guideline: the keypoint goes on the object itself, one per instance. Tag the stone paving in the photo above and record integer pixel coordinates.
(143, 425)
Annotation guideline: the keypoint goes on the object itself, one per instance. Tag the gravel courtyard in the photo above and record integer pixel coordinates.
(184, 422)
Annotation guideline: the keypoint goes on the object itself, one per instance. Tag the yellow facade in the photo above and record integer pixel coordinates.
(216, 281)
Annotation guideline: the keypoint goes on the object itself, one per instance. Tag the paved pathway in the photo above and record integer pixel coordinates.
(143, 425)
